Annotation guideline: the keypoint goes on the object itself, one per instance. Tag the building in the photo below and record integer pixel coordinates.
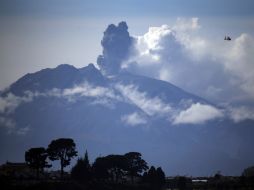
(16, 170)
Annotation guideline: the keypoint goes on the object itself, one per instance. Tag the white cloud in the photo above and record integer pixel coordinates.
(90, 91)
(197, 114)
(239, 62)
(179, 53)
(241, 113)
(150, 105)
(134, 119)
(9, 103)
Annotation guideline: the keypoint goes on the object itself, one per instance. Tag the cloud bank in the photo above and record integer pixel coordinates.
(186, 112)
(215, 69)
(152, 106)
(241, 113)
(134, 119)
(198, 114)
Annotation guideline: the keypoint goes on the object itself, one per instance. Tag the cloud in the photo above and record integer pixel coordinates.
(10, 125)
(241, 113)
(134, 119)
(197, 114)
(239, 62)
(9, 103)
(179, 53)
(116, 45)
(88, 90)
(102, 95)
(23, 131)
(7, 123)
(150, 105)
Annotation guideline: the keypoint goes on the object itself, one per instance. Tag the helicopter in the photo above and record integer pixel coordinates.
(227, 38)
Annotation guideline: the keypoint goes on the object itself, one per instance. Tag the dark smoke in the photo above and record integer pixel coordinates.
(116, 45)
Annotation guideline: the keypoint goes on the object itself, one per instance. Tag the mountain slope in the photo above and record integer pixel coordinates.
(117, 114)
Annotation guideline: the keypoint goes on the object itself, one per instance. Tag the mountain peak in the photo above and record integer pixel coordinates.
(91, 66)
(65, 67)
(63, 76)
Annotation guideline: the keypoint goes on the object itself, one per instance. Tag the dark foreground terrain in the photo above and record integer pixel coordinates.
(176, 183)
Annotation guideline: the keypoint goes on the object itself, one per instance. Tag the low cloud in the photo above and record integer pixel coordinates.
(134, 119)
(88, 90)
(241, 113)
(186, 112)
(10, 126)
(197, 114)
(9, 103)
(152, 106)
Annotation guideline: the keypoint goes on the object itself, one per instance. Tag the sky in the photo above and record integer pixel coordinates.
(39, 34)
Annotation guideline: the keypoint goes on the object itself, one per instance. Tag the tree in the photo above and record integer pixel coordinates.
(116, 166)
(100, 168)
(110, 167)
(62, 149)
(155, 177)
(135, 164)
(82, 170)
(151, 175)
(160, 177)
(36, 158)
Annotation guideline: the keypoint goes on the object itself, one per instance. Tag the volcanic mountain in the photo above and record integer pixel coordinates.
(109, 112)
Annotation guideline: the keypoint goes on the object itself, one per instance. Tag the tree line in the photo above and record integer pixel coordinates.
(111, 168)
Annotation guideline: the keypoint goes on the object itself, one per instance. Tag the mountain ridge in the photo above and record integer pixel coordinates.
(118, 114)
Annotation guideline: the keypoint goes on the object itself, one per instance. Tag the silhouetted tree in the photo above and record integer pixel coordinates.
(155, 177)
(135, 164)
(82, 170)
(100, 168)
(151, 176)
(145, 177)
(117, 166)
(62, 149)
(36, 158)
(160, 177)
(111, 166)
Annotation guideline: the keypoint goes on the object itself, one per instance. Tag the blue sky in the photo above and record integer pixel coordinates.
(135, 8)
(39, 34)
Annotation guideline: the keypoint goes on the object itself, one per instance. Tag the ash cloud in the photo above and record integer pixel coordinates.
(116, 44)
